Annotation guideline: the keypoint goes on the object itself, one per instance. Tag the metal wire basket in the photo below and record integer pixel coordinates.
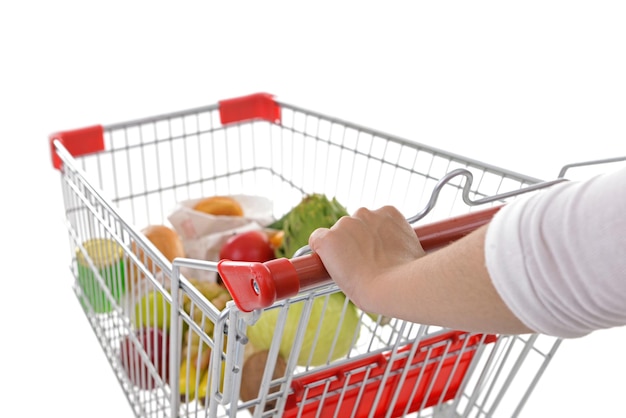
(177, 353)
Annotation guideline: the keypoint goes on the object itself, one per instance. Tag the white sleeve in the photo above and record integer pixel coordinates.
(558, 257)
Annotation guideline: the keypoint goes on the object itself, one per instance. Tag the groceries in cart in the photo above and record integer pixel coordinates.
(103, 257)
(336, 316)
(238, 228)
(167, 242)
(155, 342)
(205, 224)
(194, 367)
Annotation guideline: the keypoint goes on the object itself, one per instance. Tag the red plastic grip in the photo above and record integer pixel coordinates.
(258, 285)
(77, 142)
(253, 106)
(254, 285)
(439, 234)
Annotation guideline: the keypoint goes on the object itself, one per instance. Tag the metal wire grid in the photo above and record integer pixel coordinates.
(90, 216)
(152, 163)
(501, 374)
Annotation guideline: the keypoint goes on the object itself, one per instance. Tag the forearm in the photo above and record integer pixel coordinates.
(450, 287)
(376, 258)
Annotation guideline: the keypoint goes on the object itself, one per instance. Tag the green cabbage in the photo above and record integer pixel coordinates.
(332, 312)
(314, 211)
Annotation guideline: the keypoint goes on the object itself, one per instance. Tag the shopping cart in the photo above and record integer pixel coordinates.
(178, 353)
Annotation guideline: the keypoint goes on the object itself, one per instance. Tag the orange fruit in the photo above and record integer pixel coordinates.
(219, 206)
(165, 239)
(276, 238)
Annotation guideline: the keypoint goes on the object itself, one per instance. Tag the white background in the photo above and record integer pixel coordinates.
(528, 86)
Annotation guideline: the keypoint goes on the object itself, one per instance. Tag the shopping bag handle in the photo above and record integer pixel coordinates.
(255, 285)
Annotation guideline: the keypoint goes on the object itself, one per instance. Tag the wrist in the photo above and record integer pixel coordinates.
(379, 294)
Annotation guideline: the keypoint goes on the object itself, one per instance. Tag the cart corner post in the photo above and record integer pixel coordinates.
(78, 142)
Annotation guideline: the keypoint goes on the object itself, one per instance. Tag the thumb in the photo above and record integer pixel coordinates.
(316, 237)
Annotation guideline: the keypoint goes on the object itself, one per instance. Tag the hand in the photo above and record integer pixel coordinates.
(360, 252)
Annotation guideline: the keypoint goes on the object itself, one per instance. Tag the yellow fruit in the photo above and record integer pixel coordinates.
(190, 370)
(219, 206)
(216, 294)
(194, 373)
(153, 311)
(191, 346)
(205, 383)
(209, 289)
(220, 301)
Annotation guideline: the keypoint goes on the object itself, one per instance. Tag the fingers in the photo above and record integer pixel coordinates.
(385, 221)
(384, 214)
(316, 236)
(345, 226)
(375, 222)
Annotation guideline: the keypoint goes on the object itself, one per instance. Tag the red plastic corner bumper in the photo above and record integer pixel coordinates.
(253, 106)
(78, 142)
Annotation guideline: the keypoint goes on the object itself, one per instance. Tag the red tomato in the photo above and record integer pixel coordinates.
(248, 246)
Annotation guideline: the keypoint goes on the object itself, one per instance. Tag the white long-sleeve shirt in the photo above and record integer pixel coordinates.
(558, 257)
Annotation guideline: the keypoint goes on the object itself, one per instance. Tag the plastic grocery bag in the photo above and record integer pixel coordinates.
(203, 234)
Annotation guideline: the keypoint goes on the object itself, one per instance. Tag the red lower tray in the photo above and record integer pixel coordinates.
(435, 372)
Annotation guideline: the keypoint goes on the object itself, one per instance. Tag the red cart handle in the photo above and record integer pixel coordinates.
(254, 285)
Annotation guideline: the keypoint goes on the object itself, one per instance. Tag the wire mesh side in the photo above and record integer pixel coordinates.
(121, 282)
(364, 167)
(151, 164)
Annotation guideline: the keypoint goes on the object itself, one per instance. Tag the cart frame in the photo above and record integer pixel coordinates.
(119, 177)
